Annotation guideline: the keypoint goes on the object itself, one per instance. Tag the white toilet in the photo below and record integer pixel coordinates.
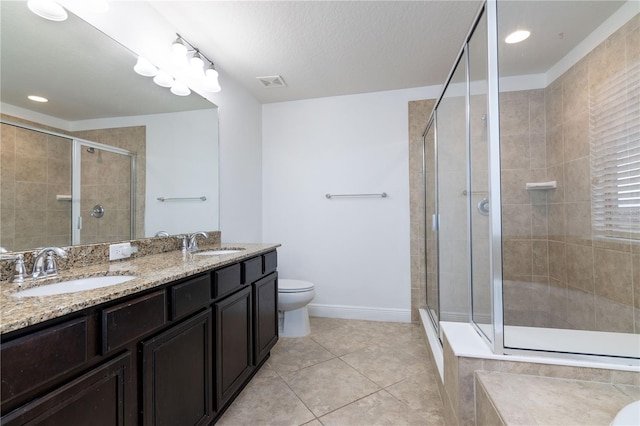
(293, 298)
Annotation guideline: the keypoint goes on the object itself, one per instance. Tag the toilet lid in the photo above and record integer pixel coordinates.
(293, 286)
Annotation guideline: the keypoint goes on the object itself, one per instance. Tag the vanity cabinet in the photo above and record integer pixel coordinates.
(175, 354)
(95, 398)
(234, 343)
(176, 374)
(265, 316)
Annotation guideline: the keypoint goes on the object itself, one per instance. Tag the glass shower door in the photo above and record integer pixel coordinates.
(481, 294)
(431, 223)
(103, 193)
(452, 182)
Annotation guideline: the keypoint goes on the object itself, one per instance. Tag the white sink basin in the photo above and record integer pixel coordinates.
(216, 252)
(72, 286)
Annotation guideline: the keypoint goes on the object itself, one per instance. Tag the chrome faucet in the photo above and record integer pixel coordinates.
(42, 269)
(19, 270)
(162, 234)
(193, 243)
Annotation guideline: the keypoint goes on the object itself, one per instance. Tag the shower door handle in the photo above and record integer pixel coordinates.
(435, 222)
(483, 207)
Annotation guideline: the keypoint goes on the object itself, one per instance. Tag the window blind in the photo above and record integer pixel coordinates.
(614, 128)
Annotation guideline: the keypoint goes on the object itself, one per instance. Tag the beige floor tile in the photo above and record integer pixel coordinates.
(378, 409)
(419, 392)
(350, 337)
(267, 401)
(322, 324)
(292, 354)
(265, 372)
(386, 365)
(329, 385)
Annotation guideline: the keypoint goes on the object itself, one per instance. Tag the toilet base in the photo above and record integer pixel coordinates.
(294, 323)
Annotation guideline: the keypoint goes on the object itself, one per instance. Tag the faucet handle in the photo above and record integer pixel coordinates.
(51, 268)
(19, 270)
(184, 239)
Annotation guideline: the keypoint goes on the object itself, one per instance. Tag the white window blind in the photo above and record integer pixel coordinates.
(615, 155)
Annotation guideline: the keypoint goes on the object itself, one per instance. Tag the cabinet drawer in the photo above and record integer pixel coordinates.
(226, 280)
(38, 358)
(251, 270)
(189, 296)
(133, 319)
(270, 262)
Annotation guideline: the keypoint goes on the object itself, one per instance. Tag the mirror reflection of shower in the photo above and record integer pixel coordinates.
(103, 193)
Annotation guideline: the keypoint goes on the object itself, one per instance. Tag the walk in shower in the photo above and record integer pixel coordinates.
(531, 166)
(59, 190)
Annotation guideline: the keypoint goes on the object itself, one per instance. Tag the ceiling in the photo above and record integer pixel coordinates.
(326, 48)
(320, 48)
(329, 48)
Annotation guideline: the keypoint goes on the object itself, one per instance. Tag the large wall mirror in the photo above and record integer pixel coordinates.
(108, 136)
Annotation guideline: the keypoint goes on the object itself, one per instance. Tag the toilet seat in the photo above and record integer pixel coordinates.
(294, 286)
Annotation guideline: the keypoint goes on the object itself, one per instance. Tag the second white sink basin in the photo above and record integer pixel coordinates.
(216, 252)
(72, 286)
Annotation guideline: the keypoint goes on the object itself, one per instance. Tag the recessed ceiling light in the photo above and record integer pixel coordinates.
(37, 98)
(47, 9)
(517, 36)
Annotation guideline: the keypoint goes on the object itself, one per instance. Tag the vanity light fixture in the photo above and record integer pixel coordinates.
(180, 89)
(162, 78)
(210, 83)
(145, 68)
(517, 36)
(48, 9)
(188, 67)
(36, 98)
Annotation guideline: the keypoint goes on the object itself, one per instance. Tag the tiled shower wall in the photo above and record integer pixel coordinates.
(107, 182)
(556, 273)
(419, 112)
(35, 167)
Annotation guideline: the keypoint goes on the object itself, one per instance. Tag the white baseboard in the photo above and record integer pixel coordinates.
(360, 313)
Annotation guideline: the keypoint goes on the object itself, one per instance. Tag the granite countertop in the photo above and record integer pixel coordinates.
(151, 271)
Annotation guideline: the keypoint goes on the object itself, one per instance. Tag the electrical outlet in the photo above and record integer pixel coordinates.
(119, 251)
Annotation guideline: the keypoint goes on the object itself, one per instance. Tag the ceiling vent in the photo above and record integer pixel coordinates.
(272, 81)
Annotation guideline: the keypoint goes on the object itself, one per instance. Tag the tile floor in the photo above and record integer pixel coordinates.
(347, 372)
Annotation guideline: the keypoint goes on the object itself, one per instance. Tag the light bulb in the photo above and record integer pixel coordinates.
(163, 79)
(517, 36)
(47, 9)
(180, 89)
(145, 68)
(36, 98)
(196, 62)
(211, 83)
(179, 53)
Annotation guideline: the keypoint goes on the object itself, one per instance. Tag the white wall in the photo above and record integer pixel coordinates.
(139, 27)
(355, 250)
(240, 164)
(181, 161)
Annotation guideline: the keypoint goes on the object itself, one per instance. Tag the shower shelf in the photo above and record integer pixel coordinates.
(539, 186)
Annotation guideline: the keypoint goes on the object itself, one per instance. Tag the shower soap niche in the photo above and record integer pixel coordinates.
(537, 186)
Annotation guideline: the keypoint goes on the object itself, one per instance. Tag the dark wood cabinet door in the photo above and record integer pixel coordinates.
(176, 374)
(95, 398)
(234, 342)
(265, 316)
